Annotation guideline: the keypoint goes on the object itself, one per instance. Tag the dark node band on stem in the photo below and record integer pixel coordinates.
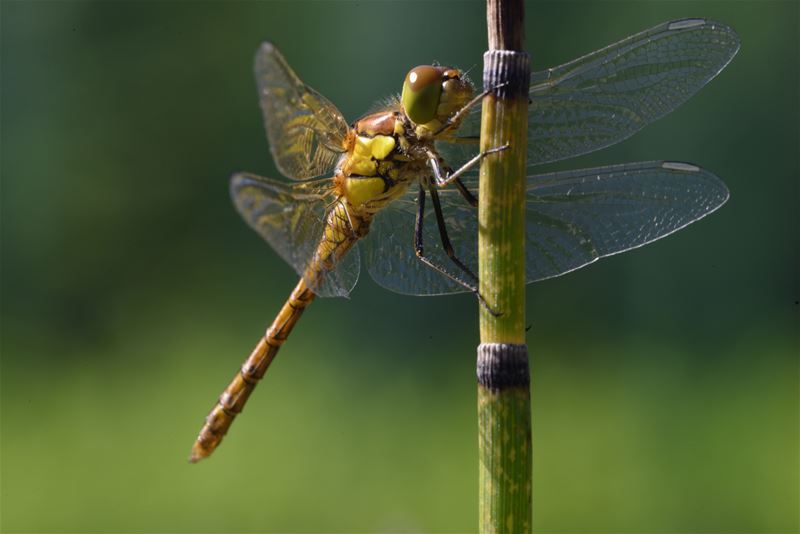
(502, 366)
(509, 71)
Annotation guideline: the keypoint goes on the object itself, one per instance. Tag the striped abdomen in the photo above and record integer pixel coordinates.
(336, 240)
(235, 395)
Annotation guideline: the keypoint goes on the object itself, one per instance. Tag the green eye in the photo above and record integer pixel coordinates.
(421, 93)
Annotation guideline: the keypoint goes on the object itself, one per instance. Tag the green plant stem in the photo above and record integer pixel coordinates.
(504, 414)
(501, 218)
(504, 419)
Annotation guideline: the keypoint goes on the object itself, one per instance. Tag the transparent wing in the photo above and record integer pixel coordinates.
(305, 131)
(577, 217)
(291, 218)
(607, 96)
(389, 247)
(573, 218)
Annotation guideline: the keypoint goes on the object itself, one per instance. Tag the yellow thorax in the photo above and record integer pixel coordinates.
(367, 151)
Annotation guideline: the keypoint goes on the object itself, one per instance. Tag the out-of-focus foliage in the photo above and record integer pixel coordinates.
(665, 391)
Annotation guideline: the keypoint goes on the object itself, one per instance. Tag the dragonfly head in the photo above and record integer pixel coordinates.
(434, 93)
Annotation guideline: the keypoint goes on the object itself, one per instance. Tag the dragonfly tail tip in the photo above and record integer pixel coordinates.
(198, 453)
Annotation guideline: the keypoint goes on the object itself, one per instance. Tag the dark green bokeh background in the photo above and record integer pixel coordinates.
(665, 381)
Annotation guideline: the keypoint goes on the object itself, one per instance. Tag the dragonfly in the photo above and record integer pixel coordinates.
(397, 188)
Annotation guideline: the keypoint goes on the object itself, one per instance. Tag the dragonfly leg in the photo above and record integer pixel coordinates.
(419, 247)
(466, 193)
(448, 247)
(446, 178)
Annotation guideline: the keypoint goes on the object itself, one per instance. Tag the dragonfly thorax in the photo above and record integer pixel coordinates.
(383, 157)
(388, 150)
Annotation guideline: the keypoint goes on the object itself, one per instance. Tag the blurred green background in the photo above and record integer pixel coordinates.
(665, 381)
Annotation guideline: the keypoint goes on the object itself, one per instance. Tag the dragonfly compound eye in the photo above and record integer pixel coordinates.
(421, 93)
(456, 92)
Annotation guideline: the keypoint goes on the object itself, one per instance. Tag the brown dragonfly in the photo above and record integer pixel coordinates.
(381, 170)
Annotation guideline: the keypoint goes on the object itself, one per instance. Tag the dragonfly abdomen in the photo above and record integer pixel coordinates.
(233, 399)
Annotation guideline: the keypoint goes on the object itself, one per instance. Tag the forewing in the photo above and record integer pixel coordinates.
(291, 218)
(577, 217)
(306, 132)
(608, 95)
(389, 247)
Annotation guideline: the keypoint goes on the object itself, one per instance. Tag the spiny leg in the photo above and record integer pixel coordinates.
(448, 247)
(419, 248)
(443, 180)
(468, 195)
